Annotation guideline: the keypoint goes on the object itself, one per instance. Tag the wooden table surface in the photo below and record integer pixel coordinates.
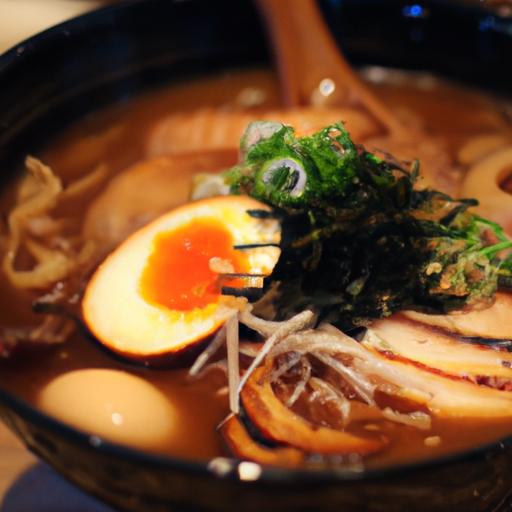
(14, 459)
(27, 485)
(20, 19)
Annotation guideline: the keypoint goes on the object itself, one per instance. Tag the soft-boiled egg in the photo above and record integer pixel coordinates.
(158, 295)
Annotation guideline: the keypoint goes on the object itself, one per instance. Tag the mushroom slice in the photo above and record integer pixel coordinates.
(399, 336)
(493, 322)
(278, 423)
(243, 446)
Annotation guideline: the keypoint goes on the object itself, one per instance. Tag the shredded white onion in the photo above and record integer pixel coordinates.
(232, 343)
(361, 385)
(417, 419)
(209, 352)
(308, 341)
(263, 327)
(365, 372)
(364, 361)
(301, 385)
(249, 349)
(277, 373)
(221, 366)
(296, 323)
(328, 393)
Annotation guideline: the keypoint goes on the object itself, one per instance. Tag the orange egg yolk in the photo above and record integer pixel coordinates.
(177, 274)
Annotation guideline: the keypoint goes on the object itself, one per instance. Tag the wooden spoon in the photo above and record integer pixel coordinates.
(312, 69)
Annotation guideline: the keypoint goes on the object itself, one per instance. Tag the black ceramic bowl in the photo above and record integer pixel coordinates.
(107, 56)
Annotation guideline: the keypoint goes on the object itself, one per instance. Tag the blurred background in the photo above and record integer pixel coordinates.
(20, 19)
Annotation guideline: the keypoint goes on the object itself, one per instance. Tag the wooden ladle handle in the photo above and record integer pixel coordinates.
(312, 69)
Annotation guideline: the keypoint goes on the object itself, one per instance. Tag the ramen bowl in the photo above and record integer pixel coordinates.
(113, 54)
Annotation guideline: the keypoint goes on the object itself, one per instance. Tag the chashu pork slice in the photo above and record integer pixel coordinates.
(401, 338)
(493, 322)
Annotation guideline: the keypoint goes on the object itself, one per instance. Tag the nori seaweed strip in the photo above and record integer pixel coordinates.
(358, 239)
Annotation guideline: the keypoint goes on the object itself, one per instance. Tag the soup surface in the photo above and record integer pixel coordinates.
(161, 140)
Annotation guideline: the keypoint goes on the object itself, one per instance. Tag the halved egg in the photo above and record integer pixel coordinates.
(158, 295)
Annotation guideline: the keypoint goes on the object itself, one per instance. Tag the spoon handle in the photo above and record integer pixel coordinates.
(312, 69)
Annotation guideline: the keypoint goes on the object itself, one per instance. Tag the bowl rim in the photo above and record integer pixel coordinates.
(62, 29)
(269, 474)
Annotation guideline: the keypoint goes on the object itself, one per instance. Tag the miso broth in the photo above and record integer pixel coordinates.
(118, 138)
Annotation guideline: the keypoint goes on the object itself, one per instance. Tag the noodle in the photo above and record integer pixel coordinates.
(55, 258)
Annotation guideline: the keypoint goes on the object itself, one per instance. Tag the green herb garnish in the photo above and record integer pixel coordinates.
(359, 241)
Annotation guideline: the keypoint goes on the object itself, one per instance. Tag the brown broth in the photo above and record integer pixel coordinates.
(446, 110)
